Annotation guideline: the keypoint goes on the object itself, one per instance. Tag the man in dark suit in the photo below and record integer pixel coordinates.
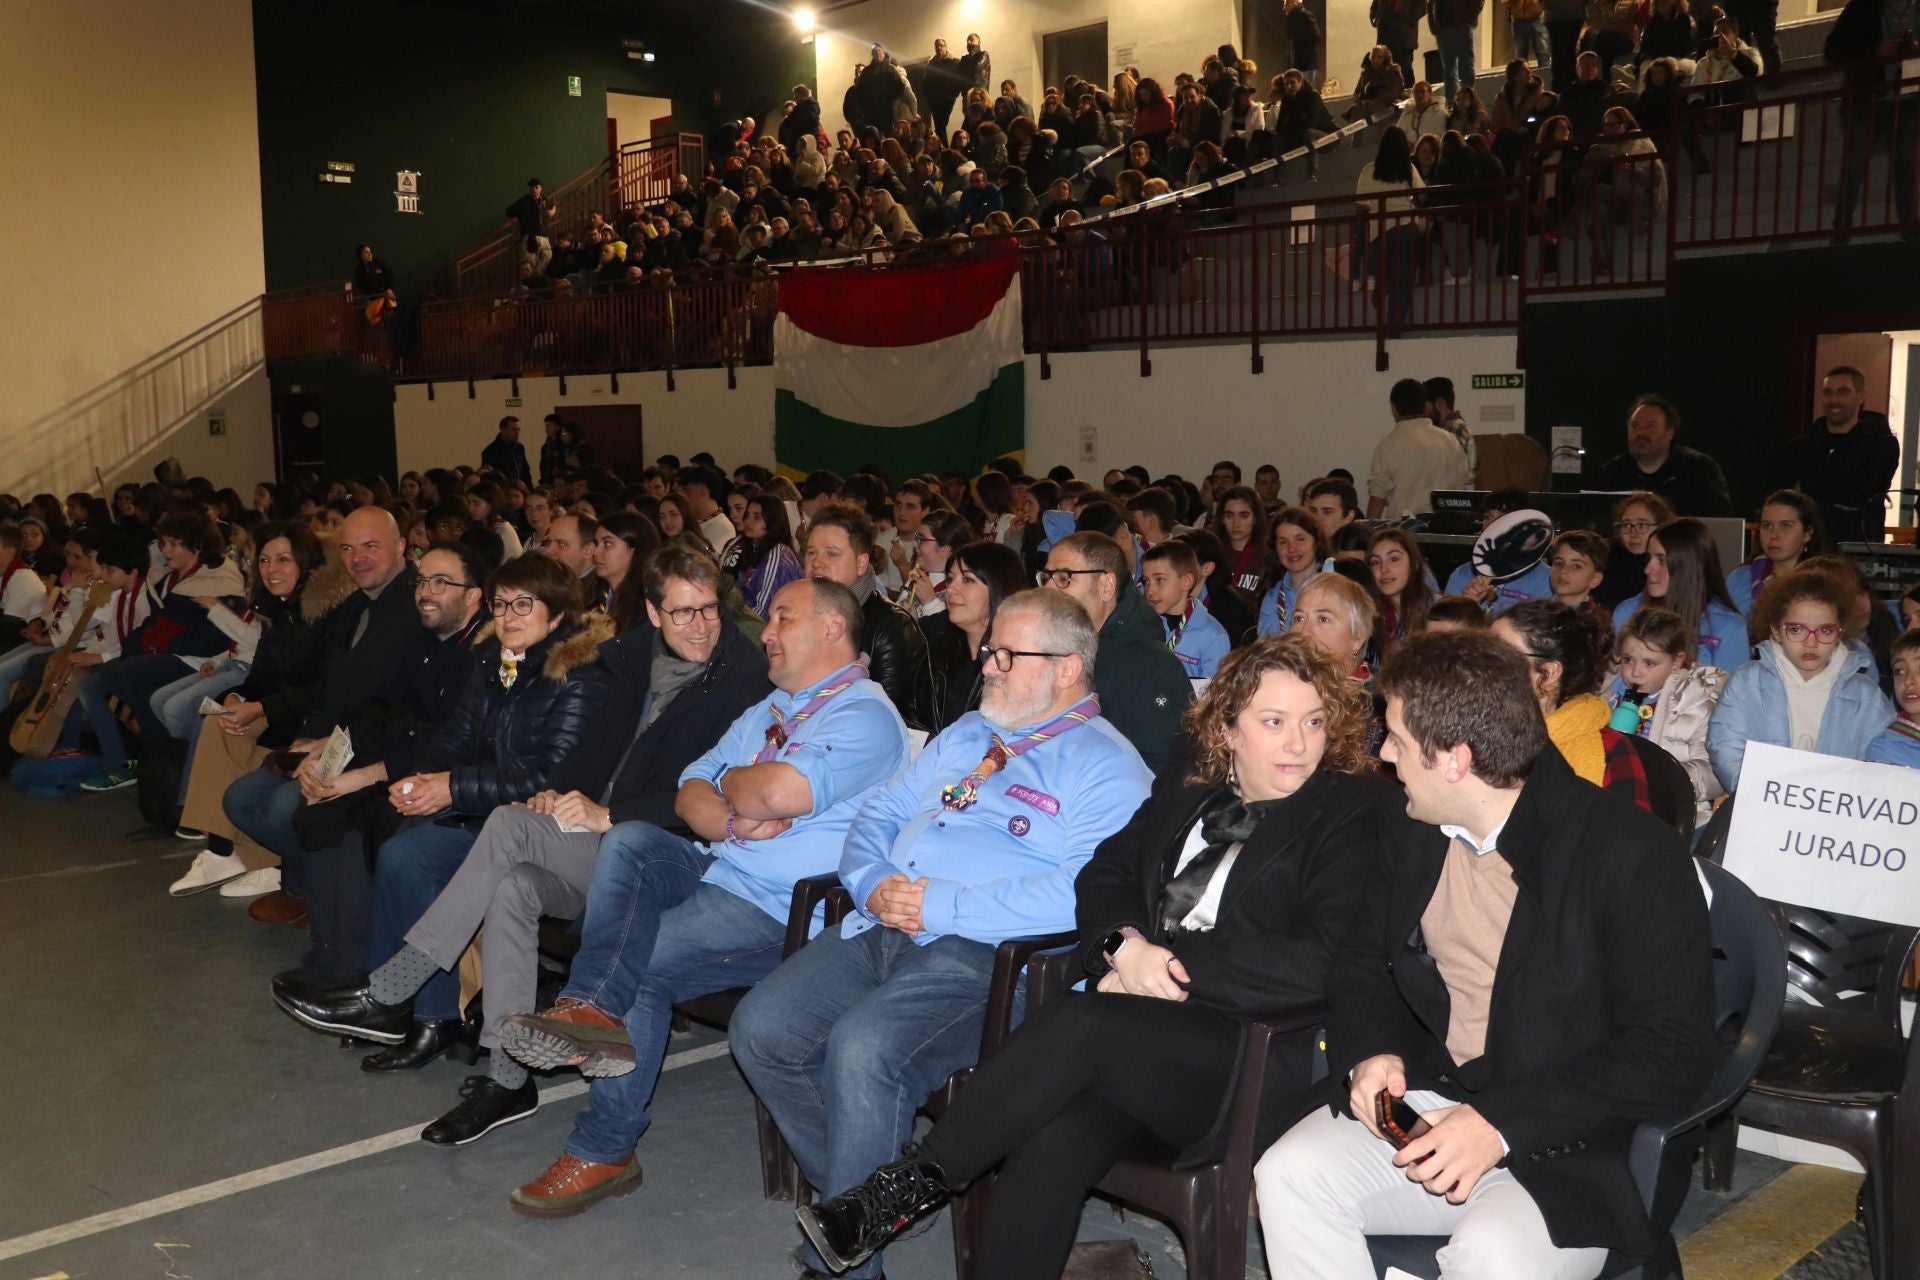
(1533, 979)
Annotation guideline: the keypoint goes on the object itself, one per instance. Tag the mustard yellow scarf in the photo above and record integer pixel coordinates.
(1575, 729)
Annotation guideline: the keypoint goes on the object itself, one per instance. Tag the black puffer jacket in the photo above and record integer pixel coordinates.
(500, 744)
(290, 662)
(897, 659)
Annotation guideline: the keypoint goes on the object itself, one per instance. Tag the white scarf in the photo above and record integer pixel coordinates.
(1807, 696)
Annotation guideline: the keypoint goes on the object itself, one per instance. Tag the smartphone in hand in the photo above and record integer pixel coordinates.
(1399, 1122)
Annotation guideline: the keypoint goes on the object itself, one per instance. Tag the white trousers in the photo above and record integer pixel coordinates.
(1328, 1184)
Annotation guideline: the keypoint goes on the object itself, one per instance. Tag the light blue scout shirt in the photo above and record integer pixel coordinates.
(1004, 867)
(1276, 607)
(1203, 643)
(1722, 634)
(1534, 584)
(853, 744)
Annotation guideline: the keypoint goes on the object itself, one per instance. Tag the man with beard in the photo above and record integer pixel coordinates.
(976, 842)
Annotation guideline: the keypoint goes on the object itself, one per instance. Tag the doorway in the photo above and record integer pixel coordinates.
(633, 117)
(1080, 51)
(612, 431)
(1266, 42)
(1889, 359)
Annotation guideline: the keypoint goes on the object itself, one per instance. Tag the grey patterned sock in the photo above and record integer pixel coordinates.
(506, 1073)
(396, 981)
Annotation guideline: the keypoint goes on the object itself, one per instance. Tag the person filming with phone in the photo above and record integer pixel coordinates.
(1524, 985)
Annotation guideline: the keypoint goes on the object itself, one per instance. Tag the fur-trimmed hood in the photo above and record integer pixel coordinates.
(576, 647)
(328, 587)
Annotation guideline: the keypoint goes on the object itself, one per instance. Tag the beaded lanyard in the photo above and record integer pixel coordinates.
(964, 793)
(839, 682)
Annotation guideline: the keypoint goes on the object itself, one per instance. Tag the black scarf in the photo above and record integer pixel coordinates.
(1225, 821)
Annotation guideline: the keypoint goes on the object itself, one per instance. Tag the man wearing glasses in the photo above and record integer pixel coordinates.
(976, 842)
(669, 917)
(1690, 481)
(1143, 689)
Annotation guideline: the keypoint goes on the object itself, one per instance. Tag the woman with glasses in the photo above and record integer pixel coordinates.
(525, 706)
(1683, 574)
(1635, 518)
(1809, 689)
(980, 575)
(764, 559)
(1221, 901)
(941, 533)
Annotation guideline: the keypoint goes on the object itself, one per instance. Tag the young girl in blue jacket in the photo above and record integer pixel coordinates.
(1807, 690)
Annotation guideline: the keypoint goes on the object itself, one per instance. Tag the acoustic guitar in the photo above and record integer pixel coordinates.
(37, 732)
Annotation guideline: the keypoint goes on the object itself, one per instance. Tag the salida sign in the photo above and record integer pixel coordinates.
(1836, 835)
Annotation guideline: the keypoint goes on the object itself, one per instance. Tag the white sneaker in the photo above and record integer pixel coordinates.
(252, 884)
(208, 869)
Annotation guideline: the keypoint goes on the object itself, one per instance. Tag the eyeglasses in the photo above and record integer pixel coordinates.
(1826, 632)
(1636, 526)
(1003, 657)
(683, 617)
(522, 605)
(438, 584)
(1061, 578)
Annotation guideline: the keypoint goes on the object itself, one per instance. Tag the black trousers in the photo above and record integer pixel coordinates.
(339, 893)
(1070, 1093)
(1564, 36)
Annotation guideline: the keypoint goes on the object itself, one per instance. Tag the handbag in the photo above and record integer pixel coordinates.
(1108, 1260)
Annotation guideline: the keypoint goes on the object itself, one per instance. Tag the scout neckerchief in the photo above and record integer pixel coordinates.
(1174, 631)
(1905, 725)
(963, 794)
(839, 682)
(510, 666)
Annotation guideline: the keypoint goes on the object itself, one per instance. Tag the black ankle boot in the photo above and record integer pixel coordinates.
(424, 1042)
(857, 1223)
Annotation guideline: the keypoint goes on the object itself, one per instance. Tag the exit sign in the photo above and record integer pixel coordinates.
(573, 86)
(1499, 381)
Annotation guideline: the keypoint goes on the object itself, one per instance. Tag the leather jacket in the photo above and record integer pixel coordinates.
(897, 659)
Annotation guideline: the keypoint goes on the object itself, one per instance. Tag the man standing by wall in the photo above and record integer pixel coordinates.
(1846, 460)
(506, 455)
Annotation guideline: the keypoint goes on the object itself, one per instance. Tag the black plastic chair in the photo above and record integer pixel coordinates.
(1749, 983)
(1669, 789)
(1839, 1069)
(1712, 845)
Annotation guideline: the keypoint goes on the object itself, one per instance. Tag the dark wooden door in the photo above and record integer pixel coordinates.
(614, 432)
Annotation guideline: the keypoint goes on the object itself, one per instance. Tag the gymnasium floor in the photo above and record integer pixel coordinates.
(169, 1123)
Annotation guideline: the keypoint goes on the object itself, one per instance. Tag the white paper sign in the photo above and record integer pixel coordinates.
(1832, 834)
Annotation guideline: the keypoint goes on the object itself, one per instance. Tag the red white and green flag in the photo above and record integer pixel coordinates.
(915, 369)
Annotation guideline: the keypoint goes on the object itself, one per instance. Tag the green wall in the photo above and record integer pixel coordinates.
(1731, 344)
(476, 103)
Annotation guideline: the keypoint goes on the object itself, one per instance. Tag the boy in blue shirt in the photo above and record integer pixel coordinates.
(1170, 579)
(1899, 742)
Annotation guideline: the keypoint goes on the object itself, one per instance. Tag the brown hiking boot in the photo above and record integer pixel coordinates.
(571, 1185)
(571, 1034)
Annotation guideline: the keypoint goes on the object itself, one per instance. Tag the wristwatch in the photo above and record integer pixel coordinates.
(1111, 944)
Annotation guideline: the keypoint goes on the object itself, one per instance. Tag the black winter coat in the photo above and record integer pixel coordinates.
(1143, 688)
(1288, 903)
(500, 744)
(290, 661)
(376, 669)
(1602, 1012)
(897, 659)
(735, 679)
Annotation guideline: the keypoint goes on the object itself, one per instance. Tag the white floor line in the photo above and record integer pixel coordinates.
(207, 1192)
(98, 866)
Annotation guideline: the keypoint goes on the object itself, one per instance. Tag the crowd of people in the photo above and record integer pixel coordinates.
(1190, 719)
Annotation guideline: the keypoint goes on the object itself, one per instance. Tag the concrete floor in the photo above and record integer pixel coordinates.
(171, 1123)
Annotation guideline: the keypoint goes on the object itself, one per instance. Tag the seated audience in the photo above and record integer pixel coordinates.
(1809, 689)
(1683, 574)
(1299, 548)
(525, 707)
(1790, 531)
(839, 548)
(22, 590)
(1688, 480)
(1402, 588)
(765, 559)
(620, 547)
(1529, 1098)
(1224, 899)
(1143, 688)
(1577, 567)
(1635, 519)
(62, 606)
(667, 919)
(1170, 581)
(1568, 653)
(1661, 696)
(978, 841)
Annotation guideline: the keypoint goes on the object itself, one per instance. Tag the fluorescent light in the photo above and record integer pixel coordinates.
(806, 21)
(647, 56)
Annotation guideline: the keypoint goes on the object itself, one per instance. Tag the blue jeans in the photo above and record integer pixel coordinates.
(1530, 41)
(711, 942)
(132, 679)
(24, 662)
(848, 1038)
(1395, 255)
(1456, 55)
(642, 873)
(414, 867)
(176, 705)
(261, 805)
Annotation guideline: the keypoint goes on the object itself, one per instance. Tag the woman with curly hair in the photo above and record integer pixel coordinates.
(1220, 902)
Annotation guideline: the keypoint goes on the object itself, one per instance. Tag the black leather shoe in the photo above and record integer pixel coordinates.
(857, 1223)
(304, 983)
(485, 1105)
(424, 1042)
(347, 1011)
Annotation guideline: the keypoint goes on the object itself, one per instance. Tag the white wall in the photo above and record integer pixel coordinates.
(1319, 405)
(133, 149)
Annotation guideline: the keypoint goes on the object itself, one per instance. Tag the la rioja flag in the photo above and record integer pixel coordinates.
(915, 369)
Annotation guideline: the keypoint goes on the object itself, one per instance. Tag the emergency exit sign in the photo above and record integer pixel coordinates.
(1499, 381)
